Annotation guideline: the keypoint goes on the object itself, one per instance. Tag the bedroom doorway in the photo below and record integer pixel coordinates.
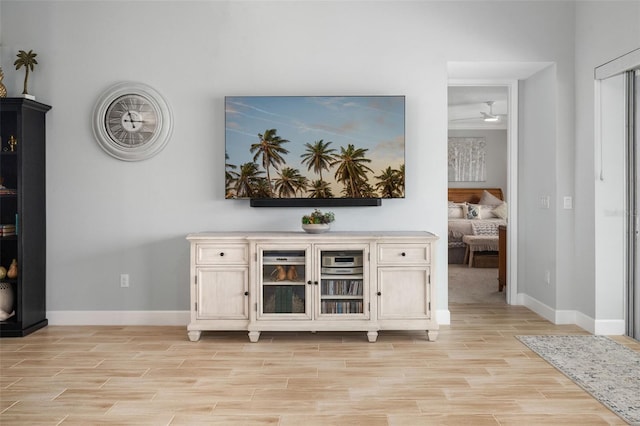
(478, 160)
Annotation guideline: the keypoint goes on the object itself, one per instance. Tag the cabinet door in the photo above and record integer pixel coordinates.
(342, 292)
(403, 293)
(222, 293)
(284, 282)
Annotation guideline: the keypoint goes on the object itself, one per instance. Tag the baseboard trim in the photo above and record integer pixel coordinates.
(118, 317)
(614, 327)
(538, 307)
(443, 316)
(610, 327)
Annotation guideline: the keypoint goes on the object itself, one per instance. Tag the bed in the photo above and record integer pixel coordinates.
(473, 211)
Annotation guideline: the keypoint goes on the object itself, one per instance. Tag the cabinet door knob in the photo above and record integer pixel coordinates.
(221, 253)
(379, 293)
(315, 282)
(403, 254)
(309, 282)
(246, 293)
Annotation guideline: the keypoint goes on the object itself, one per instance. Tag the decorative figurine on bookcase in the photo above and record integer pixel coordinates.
(12, 143)
(292, 273)
(3, 89)
(279, 273)
(28, 60)
(13, 270)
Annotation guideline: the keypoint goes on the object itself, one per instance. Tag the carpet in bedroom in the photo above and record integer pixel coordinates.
(474, 285)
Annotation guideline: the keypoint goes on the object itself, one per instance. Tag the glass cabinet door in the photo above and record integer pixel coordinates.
(284, 287)
(342, 292)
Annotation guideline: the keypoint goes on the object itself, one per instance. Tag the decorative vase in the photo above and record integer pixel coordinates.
(316, 228)
(3, 89)
(6, 299)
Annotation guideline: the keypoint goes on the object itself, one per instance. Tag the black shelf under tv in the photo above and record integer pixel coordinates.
(315, 202)
(22, 167)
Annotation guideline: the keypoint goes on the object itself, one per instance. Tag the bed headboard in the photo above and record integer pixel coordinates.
(471, 195)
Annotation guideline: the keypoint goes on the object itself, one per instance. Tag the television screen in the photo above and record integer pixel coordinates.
(314, 147)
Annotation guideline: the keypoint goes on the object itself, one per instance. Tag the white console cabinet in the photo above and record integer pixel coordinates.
(293, 281)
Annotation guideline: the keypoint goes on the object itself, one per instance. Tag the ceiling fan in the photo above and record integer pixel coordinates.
(491, 117)
(488, 117)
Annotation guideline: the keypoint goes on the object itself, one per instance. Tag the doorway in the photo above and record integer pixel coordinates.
(478, 139)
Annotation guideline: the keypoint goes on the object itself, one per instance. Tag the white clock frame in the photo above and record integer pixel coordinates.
(149, 148)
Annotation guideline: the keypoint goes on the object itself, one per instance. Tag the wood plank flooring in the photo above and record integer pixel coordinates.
(476, 373)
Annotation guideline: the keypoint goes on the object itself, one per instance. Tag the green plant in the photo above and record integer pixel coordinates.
(317, 217)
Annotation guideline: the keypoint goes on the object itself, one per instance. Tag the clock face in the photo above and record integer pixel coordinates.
(132, 122)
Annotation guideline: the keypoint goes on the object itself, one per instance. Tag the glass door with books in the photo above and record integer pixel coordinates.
(343, 283)
(285, 282)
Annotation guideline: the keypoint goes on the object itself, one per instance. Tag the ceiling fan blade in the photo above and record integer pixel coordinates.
(465, 119)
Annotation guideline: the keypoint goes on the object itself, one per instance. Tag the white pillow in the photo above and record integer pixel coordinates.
(478, 211)
(488, 199)
(457, 210)
(501, 211)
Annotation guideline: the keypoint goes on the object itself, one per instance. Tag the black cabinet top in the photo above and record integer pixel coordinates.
(17, 103)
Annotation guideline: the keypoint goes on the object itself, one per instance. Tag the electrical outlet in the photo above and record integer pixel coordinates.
(547, 277)
(124, 280)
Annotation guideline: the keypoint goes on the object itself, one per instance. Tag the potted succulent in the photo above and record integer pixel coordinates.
(317, 222)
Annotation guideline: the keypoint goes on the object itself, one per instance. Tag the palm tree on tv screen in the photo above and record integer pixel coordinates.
(230, 176)
(247, 179)
(401, 179)
(271, 150)
(352, 170)
(318, 156)
(389, 183)
(290, 182)
(320, 189)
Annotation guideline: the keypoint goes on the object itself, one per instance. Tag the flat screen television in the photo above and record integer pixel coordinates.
(314, 150)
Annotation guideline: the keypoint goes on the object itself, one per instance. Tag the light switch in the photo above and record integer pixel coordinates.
(568, 202)
(544, 202)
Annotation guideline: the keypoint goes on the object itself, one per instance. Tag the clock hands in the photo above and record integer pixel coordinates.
(132, 121)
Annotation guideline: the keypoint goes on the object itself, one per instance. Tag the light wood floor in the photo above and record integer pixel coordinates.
(475, 373)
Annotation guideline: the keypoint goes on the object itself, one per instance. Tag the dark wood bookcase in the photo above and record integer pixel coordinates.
(23, 204)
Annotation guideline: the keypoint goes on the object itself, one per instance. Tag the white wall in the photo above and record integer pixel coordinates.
(496, 158)
(537, 180)
(106, 217)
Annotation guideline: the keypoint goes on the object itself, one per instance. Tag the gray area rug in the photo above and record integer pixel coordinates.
(608, 370)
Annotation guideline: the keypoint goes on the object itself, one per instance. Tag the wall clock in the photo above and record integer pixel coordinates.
(132, 121)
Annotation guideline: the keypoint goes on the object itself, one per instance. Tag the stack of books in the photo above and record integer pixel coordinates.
(7, 191)
(7, 230)
(284, 299)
